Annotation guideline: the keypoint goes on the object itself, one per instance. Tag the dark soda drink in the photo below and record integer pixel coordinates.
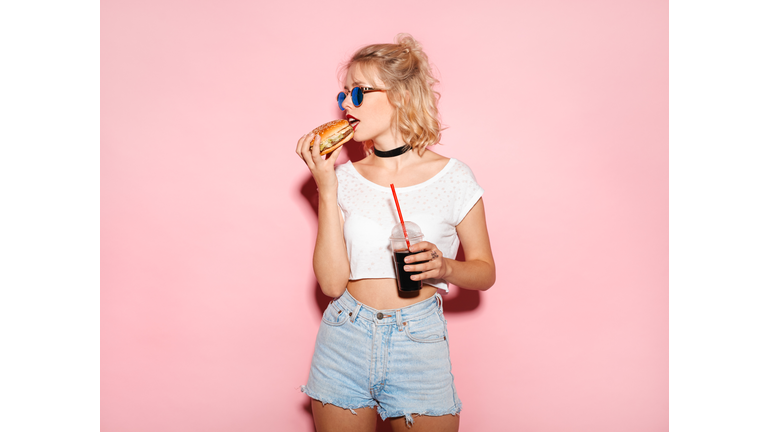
(404, 281)
(403, 237)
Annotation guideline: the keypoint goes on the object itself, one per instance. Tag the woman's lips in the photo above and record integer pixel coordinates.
(353, 121)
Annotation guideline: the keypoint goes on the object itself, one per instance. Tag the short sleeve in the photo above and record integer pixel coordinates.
(468, 192)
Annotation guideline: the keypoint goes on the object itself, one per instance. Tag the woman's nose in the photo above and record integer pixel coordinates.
(347, 104)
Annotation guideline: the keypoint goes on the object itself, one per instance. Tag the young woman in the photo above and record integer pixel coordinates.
(380, 350)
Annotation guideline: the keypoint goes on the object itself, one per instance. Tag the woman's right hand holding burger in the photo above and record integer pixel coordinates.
(325, 139)
(321, 167)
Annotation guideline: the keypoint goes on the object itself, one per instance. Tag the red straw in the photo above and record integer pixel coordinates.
(402, 222)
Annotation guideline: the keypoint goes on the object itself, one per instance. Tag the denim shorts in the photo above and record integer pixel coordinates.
(394, 360)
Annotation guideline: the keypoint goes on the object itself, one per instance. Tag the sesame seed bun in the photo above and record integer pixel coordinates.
(333, 135)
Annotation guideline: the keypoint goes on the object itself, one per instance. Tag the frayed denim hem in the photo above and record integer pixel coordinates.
(409, 416)
(324, 401)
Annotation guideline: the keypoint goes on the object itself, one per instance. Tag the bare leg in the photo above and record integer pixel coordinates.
(446, 423)
(330, 418)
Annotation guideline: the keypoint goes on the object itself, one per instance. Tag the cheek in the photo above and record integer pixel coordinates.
(383, 116)
(380, 123)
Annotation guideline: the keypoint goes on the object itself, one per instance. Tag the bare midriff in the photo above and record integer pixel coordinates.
(382, 294)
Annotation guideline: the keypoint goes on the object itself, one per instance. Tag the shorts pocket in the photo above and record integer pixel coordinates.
(335, 315)
(427, 329)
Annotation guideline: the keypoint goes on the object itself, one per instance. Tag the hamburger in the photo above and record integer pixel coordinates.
(332, 135)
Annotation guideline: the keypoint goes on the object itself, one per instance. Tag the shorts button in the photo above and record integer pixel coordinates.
(379, 315)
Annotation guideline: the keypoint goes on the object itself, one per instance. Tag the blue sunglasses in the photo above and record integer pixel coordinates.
(357, 96)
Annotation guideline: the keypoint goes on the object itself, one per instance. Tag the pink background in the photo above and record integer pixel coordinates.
(209, 303)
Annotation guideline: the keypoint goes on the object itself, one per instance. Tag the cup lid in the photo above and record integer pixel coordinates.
(412, 229)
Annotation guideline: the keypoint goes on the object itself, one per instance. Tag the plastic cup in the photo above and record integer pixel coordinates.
(400, 251)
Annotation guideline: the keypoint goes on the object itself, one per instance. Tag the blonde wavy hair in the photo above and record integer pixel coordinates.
(404, 69)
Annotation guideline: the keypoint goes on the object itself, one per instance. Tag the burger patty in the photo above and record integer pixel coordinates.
(333, 140)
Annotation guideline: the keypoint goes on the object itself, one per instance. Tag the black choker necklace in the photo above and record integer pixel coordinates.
(391, 153)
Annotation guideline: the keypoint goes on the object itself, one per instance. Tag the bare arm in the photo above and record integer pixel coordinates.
(477, 271)
(329, 261)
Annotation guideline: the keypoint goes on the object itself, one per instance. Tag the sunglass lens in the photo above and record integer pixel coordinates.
(340, 99)
(357, 96)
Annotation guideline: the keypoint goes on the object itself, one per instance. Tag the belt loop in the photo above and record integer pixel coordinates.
(353, 314)
(439, 302)
(399, 318)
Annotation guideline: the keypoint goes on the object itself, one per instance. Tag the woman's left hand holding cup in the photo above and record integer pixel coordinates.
(432, 265)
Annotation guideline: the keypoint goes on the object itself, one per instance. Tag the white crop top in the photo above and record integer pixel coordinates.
(436, 206)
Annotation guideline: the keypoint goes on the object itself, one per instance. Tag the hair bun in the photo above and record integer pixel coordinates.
(407, 42)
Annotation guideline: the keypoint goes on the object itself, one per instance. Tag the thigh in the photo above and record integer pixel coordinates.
(330, 418)
(446, 423)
